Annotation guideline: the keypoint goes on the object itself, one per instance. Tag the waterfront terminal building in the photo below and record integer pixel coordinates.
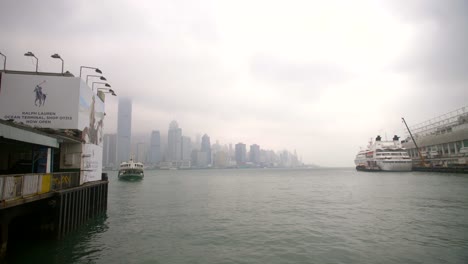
(442, 141)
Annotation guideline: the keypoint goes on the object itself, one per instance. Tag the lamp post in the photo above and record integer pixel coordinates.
(30, 54)
(4, 61)
(56, 56)
(87, 67)
(106, 84)
(101, 78)
(108, 91)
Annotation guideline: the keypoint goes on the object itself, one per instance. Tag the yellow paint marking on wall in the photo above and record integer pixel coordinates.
(66, 179)
(45, 186)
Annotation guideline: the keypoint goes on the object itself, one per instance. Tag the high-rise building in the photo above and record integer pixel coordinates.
(197, 143)
(202, 159)
(109, 150)
(155, 148)
(241, 154)
(186, 148)
(174, 142)
(255, 154)
(124, 129)
(206, 147)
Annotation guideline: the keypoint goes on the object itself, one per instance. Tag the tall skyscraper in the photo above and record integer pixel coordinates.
(174, 142)
(206, 147)
(124, 129)
(241, 154)
(186, 148)
(255, 154)
(109, 150)
(155, 148)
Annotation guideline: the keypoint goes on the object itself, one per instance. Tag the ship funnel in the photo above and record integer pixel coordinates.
(396, 138)
(378, 138)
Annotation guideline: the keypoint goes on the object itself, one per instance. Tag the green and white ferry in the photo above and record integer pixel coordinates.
(131, 171)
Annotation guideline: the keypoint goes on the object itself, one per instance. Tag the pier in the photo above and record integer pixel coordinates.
(51, 179)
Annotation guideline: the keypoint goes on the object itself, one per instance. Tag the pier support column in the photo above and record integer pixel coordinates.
(3, 239)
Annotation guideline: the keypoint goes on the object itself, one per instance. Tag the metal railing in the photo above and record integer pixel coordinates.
(26, 185)
(441, 124)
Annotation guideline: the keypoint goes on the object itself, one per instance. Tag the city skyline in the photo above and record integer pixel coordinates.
(152, 149)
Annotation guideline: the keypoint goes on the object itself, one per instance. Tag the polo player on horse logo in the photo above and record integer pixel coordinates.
(40, 96)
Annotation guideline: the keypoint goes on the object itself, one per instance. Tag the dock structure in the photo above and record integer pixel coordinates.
(442, 141)
(51, 179)
(54, 204)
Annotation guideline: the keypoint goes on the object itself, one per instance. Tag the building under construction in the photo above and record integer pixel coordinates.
(442, 143)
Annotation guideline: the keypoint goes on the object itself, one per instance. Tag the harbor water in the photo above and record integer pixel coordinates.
(270, 216)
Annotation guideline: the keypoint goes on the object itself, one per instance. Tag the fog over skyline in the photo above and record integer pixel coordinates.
(319, 77)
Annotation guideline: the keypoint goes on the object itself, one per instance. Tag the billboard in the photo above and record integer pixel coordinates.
(40, 100)
(57, 102)
(90, 122)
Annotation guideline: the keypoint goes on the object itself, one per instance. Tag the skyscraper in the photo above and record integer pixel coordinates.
(174, 142)
(206, 147)
(186, 148)
(255, 154)
(241, 154)
(109, 150)
(155, 148)
(124, 129)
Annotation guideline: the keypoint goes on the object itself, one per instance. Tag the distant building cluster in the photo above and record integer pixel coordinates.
(178, 151)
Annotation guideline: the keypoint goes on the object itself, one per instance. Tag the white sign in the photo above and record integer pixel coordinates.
(40, 100)
(91, 163)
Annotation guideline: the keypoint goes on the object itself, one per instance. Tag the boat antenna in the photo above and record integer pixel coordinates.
(423, 162)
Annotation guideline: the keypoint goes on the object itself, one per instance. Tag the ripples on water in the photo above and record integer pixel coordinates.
(273, 216)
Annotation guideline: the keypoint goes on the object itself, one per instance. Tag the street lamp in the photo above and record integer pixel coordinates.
(108, 91)
(95, 69)
(30, 54)
(101, 78)
(56, 56)
(106, 84)
(4, 61)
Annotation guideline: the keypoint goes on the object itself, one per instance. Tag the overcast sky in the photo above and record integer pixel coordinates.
(319, 77)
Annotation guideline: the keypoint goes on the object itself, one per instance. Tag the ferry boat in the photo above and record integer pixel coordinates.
(131, 170)
(383, 156)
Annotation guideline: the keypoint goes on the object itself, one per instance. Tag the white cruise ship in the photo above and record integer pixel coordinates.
(383, 156)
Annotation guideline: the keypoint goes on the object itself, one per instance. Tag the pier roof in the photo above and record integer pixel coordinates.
(24, 133)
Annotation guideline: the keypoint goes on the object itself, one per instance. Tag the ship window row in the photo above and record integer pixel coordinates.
(390, 150)
(392, 154)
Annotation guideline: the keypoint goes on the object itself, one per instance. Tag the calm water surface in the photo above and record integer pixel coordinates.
(271, 216)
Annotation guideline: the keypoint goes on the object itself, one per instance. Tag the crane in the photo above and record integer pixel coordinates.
(423, 161)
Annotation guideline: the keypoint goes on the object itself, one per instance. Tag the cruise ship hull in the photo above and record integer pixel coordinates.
(403, 165)
(400, 165)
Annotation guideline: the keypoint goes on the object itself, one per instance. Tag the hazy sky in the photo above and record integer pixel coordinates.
(321, 77)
